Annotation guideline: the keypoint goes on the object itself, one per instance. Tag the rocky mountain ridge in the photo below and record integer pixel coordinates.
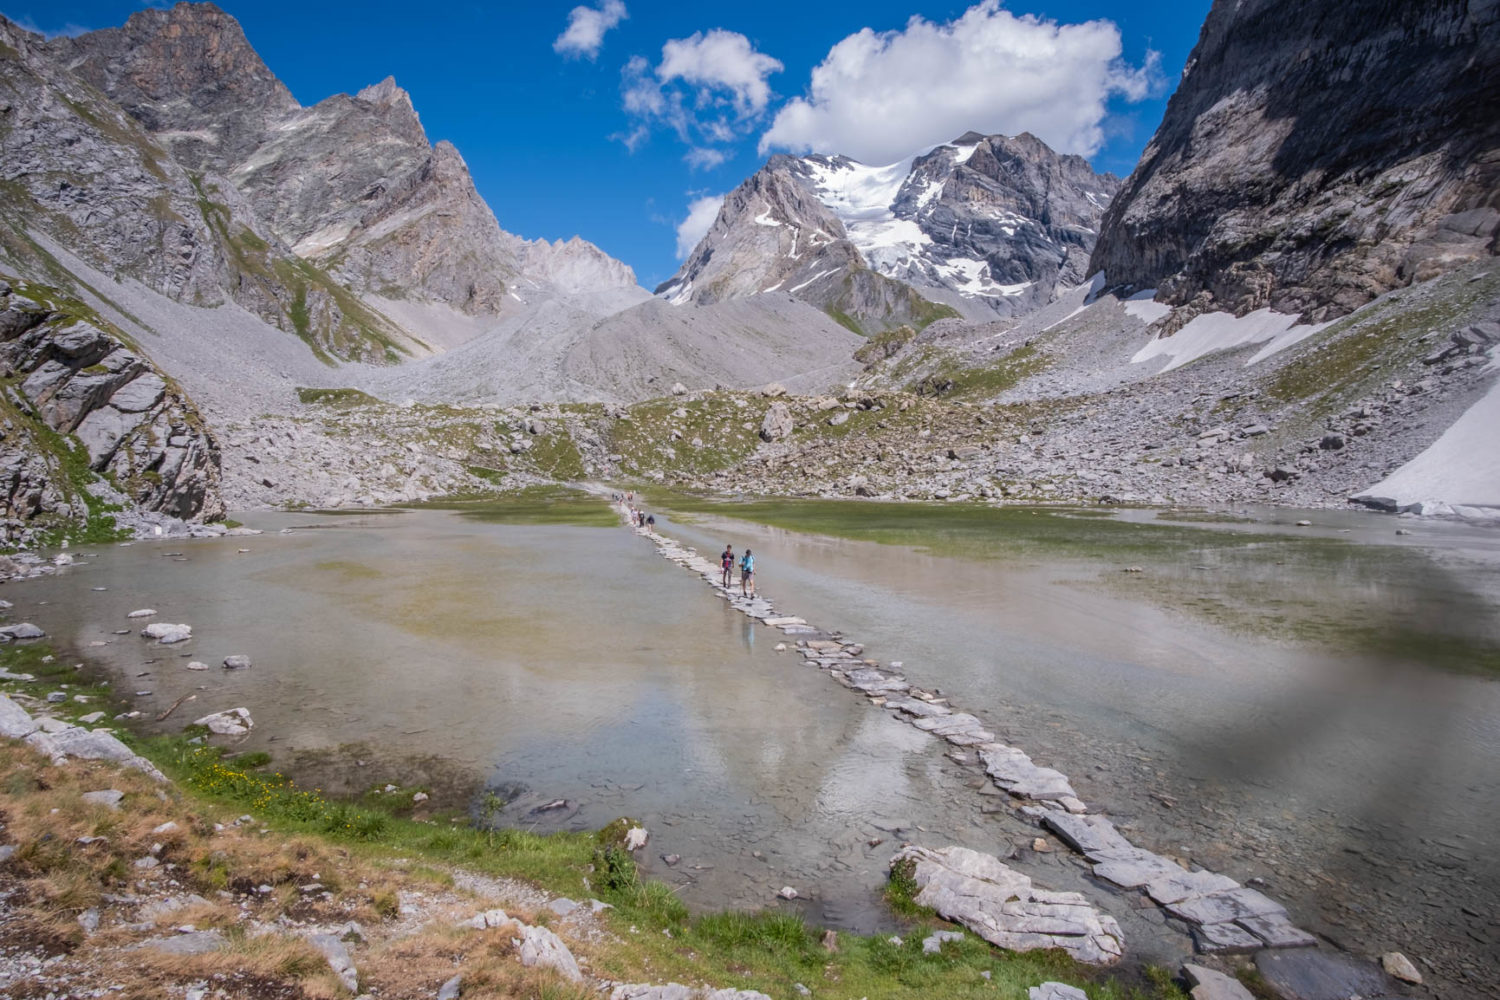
(1315, 156)
(350, 184)
(980, 227)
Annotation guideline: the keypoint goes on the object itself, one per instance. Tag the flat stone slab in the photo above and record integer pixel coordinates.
(1313, 974)
(967, 730)
(1056, 991)
(874, 682)
(1086, 834)
(918, 707)
(1003, 906)
(1015, 772)
(1225, 938)
(1277, 931)
(1132, 872)
(1222, 907)
(90, 745)
(1181, 886)
(1211, 984)
(192, 943)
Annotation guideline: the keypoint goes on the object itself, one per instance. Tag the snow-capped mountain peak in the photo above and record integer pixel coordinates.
(985, 225)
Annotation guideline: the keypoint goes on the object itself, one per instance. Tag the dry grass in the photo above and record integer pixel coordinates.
(73, 857)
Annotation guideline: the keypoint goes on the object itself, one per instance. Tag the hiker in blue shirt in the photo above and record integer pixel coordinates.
(747, 574)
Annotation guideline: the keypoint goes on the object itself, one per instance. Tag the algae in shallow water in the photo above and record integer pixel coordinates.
(537, 505)
(1394, 603)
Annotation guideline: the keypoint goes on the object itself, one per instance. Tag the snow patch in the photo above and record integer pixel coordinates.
(817, 277)
(1141, 306)
(764, 219)
(961, 154)
(1213, 332)
(1458, 474)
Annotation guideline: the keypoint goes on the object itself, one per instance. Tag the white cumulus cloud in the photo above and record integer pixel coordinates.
(710, 89)
(704, 157)
(701, 215)
(720, 62)
(880, 96)
(587, 27)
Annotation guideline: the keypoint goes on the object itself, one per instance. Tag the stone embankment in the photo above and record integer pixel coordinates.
(1222, 916)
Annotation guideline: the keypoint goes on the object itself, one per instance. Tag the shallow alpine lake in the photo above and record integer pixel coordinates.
(1315, 707)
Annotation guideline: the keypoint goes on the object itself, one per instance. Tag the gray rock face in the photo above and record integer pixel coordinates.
(541, 947)
(79, 378)
(351, 182)
(1314, 156)
(1003, 906)
(982, 226)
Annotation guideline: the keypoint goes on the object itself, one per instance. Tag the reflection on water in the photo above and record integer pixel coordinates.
(554, 661)
(1321, 713)
(1220, 704)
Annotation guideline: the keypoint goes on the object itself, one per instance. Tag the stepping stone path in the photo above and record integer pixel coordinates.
(1222, 915)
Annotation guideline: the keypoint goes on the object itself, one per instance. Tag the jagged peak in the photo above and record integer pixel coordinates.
(386, 92)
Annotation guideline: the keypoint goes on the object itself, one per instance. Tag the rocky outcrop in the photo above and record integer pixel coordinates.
(1315, 156)
(82, 172)
(83, 403)
(983, 226)
(1004, 907)
(351, 183)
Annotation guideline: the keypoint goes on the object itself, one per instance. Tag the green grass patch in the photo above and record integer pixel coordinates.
(343, 398)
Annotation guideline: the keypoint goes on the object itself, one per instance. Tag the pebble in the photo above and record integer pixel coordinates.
(1398, 965)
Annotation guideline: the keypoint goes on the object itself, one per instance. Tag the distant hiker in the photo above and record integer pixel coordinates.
(747, 574)
(650, 520)
(726, 562)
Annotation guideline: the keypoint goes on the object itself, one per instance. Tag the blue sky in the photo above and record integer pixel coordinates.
(542, 119)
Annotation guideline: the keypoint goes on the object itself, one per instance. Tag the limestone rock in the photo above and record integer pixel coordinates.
(15, 721)
(337, 954)
(541, 947)
(166, 633)
(232, 722)
(1398, 965)
(1056, 991)
(1002, 905)
(1210, 984)
(110, 798)
(24, 630)
(777, 423)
